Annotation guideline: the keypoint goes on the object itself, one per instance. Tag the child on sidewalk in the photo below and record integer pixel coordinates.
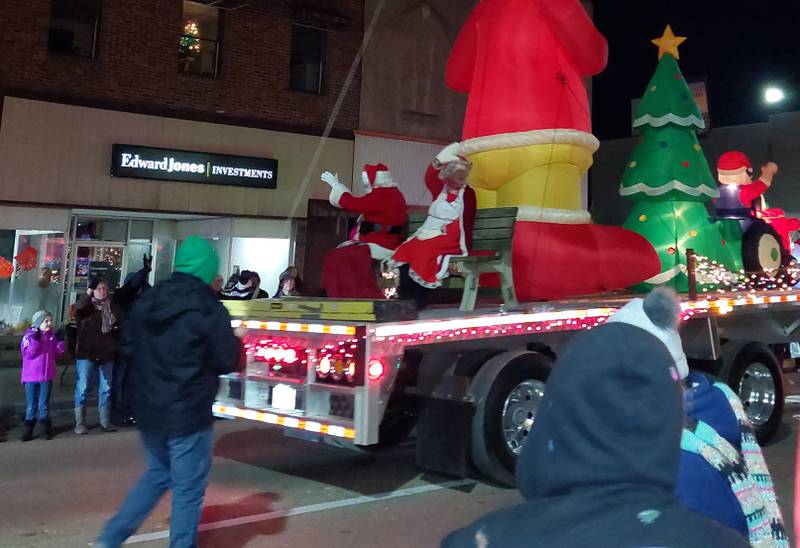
(40, 349)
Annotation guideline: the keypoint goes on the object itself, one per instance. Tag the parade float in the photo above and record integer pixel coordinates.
(364, 373)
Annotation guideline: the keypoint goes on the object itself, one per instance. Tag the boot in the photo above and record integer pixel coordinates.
(27, 432)
(105, 419)
(47, 429)
(80, 416)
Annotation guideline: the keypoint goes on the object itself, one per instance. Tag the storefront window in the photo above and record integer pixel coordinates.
(107, 248)
(31, 265)
(97, 262)
(102, 230)
(266, 256)
(165, 252)
(141, 231)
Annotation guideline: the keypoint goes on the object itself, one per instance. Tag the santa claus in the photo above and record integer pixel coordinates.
(447, 231)
(382, 214)
(741, 198)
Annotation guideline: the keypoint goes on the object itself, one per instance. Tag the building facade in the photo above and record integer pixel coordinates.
(126, 126)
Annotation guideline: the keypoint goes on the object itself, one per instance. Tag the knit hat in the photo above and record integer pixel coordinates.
(657, 314)
(39, 318)
(196, 257)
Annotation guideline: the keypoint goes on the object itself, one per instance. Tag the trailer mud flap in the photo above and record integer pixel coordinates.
(444, 427)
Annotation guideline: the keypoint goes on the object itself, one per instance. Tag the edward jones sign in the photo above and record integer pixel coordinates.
(193, 167)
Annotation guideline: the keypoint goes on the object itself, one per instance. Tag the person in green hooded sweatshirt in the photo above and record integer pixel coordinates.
(178, 340)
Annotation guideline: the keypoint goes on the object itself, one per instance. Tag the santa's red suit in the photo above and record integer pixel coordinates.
(446, 232)
(347, 271)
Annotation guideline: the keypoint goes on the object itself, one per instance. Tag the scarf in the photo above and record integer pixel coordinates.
(240, 292)
(746, 472)
(104, 307)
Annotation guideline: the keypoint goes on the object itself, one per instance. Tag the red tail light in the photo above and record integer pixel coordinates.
(376, 369)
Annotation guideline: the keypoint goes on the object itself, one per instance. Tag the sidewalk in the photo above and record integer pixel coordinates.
(12, 401)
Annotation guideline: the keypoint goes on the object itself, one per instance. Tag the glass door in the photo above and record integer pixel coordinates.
(95, 260)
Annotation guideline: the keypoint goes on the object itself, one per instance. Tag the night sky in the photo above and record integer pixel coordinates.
(737, 49)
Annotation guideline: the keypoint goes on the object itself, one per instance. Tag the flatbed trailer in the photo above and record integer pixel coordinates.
(366, 373)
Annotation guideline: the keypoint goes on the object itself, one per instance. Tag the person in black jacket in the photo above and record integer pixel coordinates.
(123, 388)
(178, 340)
(600, 464)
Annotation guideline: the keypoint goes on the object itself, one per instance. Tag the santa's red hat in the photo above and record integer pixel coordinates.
(377, 175)
(733, 162)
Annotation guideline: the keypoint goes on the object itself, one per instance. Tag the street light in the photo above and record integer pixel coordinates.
(774, 95)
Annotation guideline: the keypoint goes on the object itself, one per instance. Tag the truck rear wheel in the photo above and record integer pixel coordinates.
(508, 391)
(755, 375)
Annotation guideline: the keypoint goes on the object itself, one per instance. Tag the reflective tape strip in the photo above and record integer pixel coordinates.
(723, 306)
(499, 321)
(295, 327)
(231, 411)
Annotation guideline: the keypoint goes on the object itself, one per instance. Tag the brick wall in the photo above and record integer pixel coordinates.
(136, 64)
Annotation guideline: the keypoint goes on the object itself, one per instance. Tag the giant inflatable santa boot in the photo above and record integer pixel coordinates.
(527, 132)
(382, 214)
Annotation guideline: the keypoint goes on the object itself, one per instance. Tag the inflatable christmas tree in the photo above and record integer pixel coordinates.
(668, 176)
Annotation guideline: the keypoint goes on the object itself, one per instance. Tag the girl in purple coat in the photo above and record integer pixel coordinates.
(40, 349)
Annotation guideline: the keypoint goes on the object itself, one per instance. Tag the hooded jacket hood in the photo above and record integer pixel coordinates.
(196, 257)
(611, 416)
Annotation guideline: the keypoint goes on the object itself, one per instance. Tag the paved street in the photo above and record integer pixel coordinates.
(59, 493)
(266, 490)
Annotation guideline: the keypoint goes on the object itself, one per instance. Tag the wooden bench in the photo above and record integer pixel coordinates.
(492, 233)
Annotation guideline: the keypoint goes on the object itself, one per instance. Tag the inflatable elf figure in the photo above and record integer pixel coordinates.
(668, 176)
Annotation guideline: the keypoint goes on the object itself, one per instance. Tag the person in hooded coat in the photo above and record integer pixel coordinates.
(600, 464)
(722, 473)
(178, 340)
(246, 287)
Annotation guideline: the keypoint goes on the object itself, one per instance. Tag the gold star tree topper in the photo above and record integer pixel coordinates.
(668, 43)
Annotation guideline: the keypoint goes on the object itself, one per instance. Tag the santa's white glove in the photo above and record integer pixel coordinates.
(331, 179)
(448, 154)
(337, 188)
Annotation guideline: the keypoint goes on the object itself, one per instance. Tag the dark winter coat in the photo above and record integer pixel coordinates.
(701, 487)
(600, 464)
(93, 344)
(135, 284)
(178, 340)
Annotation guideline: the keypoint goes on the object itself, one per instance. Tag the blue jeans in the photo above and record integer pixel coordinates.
(180, 463)
(86, 371)
(37, 397)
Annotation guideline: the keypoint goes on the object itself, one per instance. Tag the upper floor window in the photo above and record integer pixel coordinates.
(307, 60)
(73, 27)
(199, 45)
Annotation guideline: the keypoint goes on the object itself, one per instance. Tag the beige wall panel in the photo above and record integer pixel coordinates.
(53, 153)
